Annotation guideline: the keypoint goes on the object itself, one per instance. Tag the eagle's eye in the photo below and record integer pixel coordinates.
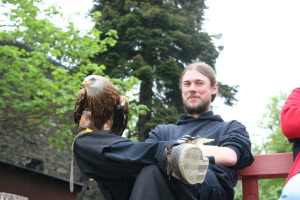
(93, 79)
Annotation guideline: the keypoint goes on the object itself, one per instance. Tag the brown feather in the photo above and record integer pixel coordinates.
(86, 122)
(121, 115)
(109, 110)
(80, 105)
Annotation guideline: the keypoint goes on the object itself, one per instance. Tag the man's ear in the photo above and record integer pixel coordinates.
(215, 88)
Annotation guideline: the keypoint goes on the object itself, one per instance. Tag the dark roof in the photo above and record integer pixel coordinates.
(38, 173)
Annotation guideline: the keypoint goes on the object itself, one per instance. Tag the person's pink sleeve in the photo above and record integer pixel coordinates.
(290, 115)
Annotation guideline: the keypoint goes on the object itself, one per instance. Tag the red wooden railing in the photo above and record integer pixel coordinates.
(267, 166)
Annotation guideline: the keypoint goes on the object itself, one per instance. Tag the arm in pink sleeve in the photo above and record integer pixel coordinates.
(290, 115)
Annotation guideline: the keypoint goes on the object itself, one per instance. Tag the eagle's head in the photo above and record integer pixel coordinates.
(93, 83)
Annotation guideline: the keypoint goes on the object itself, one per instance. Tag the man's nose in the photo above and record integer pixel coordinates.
(192, 87)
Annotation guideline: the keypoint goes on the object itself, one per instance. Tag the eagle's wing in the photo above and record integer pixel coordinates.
(121, 116)
(80, 105)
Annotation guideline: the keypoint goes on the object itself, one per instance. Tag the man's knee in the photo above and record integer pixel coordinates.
(151, 184)
(150, 170)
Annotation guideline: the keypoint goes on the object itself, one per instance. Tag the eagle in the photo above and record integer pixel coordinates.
(100, 106)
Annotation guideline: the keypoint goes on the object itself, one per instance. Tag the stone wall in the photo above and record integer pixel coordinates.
(33, 149)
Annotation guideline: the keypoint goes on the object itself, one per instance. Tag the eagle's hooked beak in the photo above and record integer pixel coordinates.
(86, 83)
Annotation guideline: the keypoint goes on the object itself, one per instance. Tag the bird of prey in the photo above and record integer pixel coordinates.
(100, 106)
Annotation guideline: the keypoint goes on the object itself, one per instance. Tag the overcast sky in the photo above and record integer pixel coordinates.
(261, 40)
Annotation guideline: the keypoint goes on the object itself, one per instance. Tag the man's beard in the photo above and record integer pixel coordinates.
(199, 109)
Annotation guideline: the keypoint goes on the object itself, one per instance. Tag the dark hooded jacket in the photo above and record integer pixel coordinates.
(210, 127)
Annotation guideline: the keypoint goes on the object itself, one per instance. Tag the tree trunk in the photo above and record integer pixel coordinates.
(145, 98)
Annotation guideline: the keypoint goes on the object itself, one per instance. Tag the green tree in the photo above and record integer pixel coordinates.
(42, 66)
(273, 142)
(270, 189)
(156, 39)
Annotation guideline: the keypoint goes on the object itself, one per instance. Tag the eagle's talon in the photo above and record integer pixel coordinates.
(84, 129)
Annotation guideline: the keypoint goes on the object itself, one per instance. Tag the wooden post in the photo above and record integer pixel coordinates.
(250, 189)
(267, 166)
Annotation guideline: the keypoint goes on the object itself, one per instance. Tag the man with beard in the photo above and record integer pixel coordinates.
(197, 158)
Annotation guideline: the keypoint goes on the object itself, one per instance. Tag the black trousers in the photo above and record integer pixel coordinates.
(152, 183)
(125, 169)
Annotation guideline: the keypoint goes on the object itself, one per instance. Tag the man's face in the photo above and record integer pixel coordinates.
(197, 92)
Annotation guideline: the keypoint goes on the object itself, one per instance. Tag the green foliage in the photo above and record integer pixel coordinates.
(42, 66)
(238, 191)
(228, 93)
(135, 110)
(270, 189)
(169, 116)
(273, 142)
